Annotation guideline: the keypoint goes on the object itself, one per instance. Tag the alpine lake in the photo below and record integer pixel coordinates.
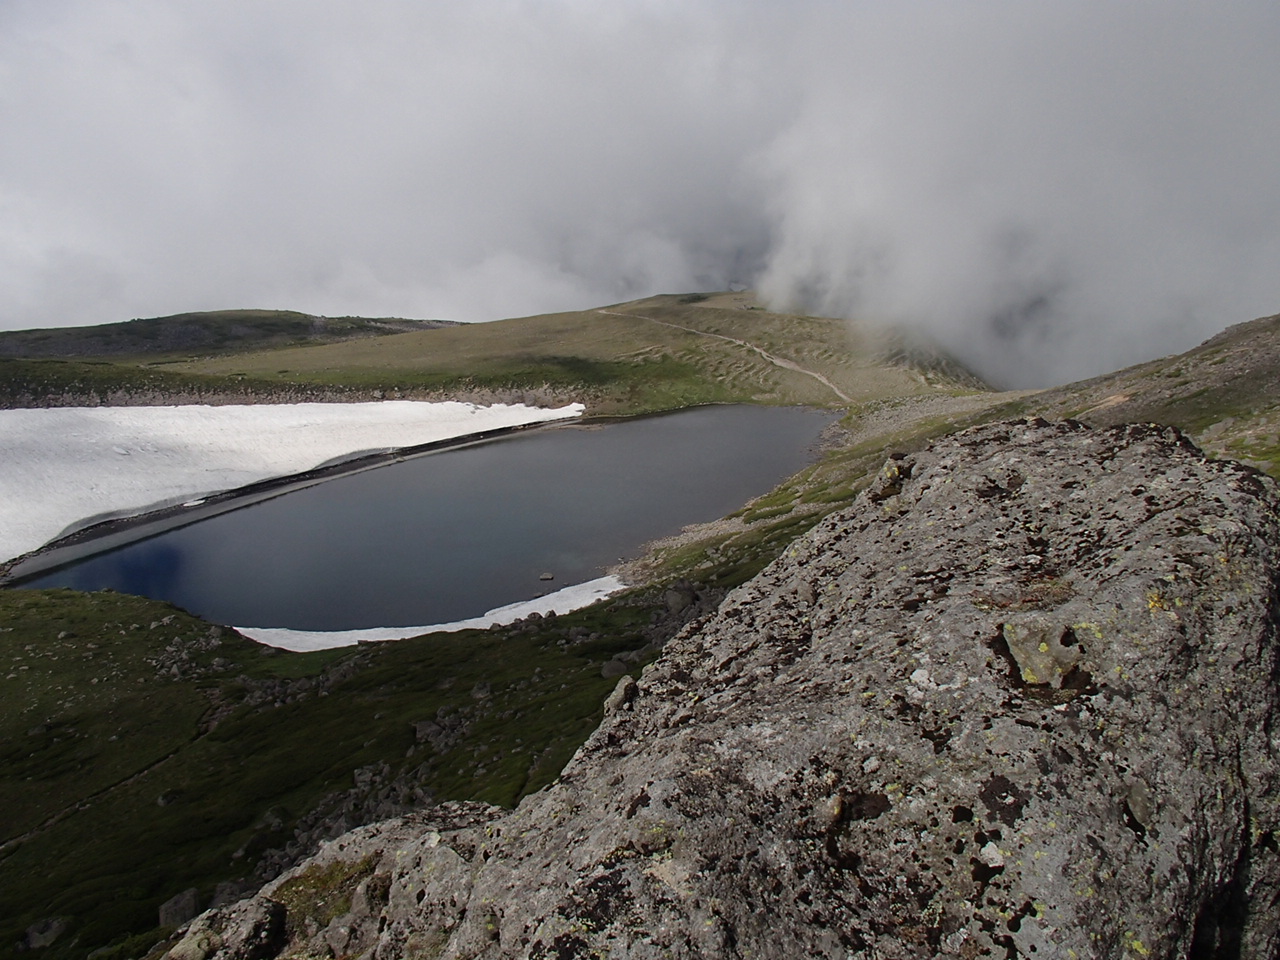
(448, 535)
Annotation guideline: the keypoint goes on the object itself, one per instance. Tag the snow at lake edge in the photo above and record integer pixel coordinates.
(64, 465)
(562, 601)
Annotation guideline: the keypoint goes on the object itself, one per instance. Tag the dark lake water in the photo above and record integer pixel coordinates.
(450, 535)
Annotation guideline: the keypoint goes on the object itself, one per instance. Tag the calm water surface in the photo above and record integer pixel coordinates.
(451, 535)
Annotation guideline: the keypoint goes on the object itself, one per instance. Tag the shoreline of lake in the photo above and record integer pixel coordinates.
(564, 600)
(407, 539)
(107, 534)
(100, 535)
(69, 468)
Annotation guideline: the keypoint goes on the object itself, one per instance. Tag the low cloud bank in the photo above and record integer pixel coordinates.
(1050, 189)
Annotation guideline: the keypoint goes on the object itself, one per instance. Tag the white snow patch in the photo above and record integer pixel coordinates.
(63, 466)
(562, 601)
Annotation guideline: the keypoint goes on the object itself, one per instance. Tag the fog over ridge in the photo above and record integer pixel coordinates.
(1050, 189)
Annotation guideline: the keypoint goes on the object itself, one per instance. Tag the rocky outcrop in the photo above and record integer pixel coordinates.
(1020, 699)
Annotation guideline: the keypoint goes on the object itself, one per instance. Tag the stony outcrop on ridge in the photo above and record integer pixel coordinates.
(1018, 700)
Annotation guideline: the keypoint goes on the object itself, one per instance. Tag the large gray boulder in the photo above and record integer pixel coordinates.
(1018, 700)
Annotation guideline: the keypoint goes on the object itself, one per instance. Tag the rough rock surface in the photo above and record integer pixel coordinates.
(1018, 700)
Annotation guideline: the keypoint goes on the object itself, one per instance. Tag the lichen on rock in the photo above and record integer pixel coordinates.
(1018, 700)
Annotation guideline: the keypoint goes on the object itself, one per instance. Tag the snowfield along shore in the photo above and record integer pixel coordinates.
(67, 466)
(565, 600)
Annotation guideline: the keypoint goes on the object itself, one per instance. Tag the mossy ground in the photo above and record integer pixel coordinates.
(118, 795)
(319, 894)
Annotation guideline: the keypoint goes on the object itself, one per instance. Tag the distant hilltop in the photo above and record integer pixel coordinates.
(211, 332)
(658, 353)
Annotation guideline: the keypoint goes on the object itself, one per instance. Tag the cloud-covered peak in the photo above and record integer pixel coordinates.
(1051, 189)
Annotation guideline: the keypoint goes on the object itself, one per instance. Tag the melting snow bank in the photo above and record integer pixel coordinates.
(67, 465)
(562, 601)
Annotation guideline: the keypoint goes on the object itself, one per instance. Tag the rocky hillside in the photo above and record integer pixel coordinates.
(1225, 392)
(1018, 699)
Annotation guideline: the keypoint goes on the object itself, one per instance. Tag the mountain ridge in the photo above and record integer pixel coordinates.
(211, 332)
(644, 356)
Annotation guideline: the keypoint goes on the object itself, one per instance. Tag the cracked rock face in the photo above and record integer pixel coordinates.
(1019, 699)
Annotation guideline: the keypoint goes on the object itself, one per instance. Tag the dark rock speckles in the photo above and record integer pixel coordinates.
(1018, 700)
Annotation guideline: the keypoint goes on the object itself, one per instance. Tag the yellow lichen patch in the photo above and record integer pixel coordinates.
(1088, 625)
(1136, 945)
(1039, 646)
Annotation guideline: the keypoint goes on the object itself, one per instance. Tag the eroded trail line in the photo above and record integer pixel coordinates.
(782, 362)
(84, 803)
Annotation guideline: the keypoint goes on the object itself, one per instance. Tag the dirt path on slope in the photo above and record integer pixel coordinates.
(782, 362)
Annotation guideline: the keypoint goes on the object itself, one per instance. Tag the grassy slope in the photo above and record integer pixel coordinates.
(618, 361)
(146, 361)
(1225, 393)
(118, 794)
(660, 353)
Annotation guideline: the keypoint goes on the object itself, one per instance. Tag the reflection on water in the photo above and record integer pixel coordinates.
(153, 569)
(448, 536)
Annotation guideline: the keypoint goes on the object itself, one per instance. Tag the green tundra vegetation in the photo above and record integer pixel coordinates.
(146, 752)
(660, 353)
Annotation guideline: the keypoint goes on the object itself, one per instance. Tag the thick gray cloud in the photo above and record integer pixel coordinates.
(1051, 189)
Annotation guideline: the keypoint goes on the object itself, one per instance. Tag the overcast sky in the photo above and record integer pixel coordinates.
(1050, 188)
